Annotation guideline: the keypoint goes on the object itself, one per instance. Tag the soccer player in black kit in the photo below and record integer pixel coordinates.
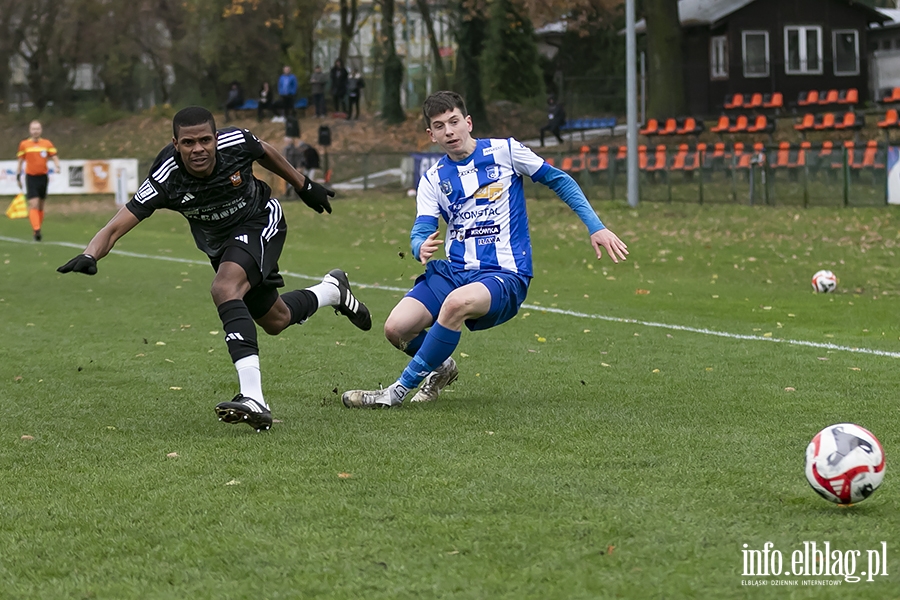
(207, 176)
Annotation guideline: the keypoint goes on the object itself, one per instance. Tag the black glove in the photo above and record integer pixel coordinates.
(315, 196)
(83, 263)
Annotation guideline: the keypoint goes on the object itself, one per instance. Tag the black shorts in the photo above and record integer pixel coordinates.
(257, 250)
(36, 186)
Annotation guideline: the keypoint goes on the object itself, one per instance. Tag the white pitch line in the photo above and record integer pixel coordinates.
(558, 311)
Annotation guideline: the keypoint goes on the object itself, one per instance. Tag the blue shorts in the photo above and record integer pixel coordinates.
(508, 291)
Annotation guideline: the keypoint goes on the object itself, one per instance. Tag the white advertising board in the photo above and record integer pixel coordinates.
(80, 177)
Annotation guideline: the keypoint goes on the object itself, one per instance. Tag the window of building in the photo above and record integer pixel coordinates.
(803, 50)
(756, 53)
(718, 57)
(846, 52)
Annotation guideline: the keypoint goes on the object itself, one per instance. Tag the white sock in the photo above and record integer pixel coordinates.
(327, 292)
(250, 378)
(398, 391)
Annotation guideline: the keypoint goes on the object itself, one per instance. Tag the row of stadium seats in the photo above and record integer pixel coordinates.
(826, 121)
(754, 101)
(828, 97)
(827, 154)
(681, 126)
(744, 124)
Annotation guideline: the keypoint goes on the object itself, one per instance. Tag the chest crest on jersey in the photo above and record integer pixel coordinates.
(492, 171)
(446, 187)
(236, 179)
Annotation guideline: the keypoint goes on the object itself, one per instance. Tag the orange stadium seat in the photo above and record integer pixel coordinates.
(850, 96)
(776, 101)
(892, 95)
(691, 125)
(807, 121)
(891, 119)
(722, 126)
(827, 122)
(651, 128)
(761, 124)
(808, 98)
(669, 128)
(830, 97)
(680, 158)
(755, 101)
(740, 125)
(850, 120)
(734, 101)
(659, 159)
(600, 162)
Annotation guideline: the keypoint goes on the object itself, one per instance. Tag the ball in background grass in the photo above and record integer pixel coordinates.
(824, 281)
(844, 463)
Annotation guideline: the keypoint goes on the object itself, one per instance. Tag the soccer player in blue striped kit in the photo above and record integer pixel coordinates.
(477, 189)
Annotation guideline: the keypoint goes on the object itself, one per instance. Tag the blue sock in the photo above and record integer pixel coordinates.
(438, 345)
(413, 346)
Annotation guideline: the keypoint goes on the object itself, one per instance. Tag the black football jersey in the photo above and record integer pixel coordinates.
(215, 205)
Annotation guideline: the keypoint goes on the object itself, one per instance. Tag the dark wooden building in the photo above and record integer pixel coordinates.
(787, 46)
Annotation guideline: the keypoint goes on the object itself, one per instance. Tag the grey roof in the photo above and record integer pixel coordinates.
(705, 12)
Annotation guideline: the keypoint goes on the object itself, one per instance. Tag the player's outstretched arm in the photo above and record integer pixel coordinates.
(103, 241)
(314, 195)
(615, 247)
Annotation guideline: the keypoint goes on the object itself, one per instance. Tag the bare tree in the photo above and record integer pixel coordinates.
(439, 70)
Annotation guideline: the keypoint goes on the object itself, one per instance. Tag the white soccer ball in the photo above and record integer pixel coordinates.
(824, 281)
(844, 463)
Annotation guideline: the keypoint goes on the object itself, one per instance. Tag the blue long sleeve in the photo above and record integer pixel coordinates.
(570, 193)
(422, 228)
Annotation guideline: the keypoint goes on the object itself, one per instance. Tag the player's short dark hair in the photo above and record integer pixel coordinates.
(190, 116)
(440, 102)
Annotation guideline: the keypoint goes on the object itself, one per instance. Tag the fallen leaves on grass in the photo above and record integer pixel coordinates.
(172, 455)
(27, 438)
(641, 292)
(790, 389)
(344, 475)
(233, 482)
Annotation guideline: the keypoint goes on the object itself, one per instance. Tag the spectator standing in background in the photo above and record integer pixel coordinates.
(556, 118)
(339, 86)
(235, 98)
(287, 91)
(265, 101)
(355, 84)
(317, 83)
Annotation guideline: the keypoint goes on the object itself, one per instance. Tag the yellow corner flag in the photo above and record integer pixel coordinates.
(18, 209)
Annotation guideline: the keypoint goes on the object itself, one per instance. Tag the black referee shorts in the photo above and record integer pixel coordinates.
(257, 250)
(36, 186)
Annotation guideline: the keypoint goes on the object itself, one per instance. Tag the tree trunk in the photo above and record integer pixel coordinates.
(348, 26)
(665, 72)
(391, 108)
(470, 34)
(439, 70)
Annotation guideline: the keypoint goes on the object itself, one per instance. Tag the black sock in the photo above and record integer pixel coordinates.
(240, 330)
(302, 304)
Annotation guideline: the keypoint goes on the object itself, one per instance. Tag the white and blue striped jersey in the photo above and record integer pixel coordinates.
(483, 203)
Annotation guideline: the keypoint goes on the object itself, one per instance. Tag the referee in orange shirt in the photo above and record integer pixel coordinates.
(34, 153)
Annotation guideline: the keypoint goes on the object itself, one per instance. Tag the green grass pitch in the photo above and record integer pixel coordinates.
(627, 456)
